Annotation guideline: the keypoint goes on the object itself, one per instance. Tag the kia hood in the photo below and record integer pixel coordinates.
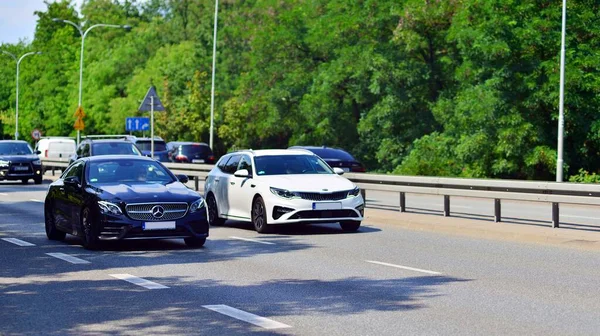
(309, 182)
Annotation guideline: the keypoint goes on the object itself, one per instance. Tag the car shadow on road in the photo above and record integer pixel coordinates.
(85, 306)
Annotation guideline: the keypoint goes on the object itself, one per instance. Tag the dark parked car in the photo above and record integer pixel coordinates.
(120, 197)
(190, 152)
(19, 162)
(145, 145)
(336, 157)
(93, 146)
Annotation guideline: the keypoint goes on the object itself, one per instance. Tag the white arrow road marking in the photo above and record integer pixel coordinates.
(247, 317)
(404, 267)
(18, 242)
(252, 240)
(138, 281)
(66, 257)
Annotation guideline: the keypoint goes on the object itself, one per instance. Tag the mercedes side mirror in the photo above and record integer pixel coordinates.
(338, 171)
(73, 181)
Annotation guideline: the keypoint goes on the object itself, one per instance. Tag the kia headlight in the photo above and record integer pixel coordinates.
(197, 205)
(37, 162)
(4, 163)
(284, 193)
(354, 192)
(109, 208)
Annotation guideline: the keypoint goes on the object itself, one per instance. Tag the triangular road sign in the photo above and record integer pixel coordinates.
(147, 102)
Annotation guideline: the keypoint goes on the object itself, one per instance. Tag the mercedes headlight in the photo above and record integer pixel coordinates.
(354, 192)
(109, 208)
(37, 162)
(4, 163)
(197, 205)
(284, 193)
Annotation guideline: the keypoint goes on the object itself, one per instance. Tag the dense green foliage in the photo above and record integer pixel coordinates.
(449, 88)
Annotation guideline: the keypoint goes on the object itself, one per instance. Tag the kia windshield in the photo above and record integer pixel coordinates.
(290, 165)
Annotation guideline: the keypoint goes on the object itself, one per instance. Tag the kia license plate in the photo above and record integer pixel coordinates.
(197, 161)
(327, 206)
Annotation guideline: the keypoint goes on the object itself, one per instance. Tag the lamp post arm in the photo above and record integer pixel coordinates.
(74, 25)
(10, 54)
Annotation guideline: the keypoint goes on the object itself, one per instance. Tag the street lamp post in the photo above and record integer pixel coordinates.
(17, 89)
(83, 34)
(212, 90)
(561, 115)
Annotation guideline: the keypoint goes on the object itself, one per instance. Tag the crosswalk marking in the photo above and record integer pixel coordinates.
(247, 317)
(69, 258)
(18, 242)
(138, 281)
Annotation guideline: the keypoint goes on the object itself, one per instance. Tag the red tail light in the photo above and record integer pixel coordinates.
(359, 169)
(46, 153)
(211, 158)
(181, 158)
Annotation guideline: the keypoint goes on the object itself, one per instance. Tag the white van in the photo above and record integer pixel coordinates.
(56, 147)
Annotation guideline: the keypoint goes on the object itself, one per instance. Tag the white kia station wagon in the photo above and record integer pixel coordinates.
(281, 186)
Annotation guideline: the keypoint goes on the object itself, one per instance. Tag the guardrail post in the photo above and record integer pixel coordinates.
(52, 170)
(555, 211)
(497, 210)
(402, 202)
(363, 193)
(196, 181)
(446, 206)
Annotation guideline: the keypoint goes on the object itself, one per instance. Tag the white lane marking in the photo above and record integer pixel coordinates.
(18, 242)
(403, 267)
(247, 317)
(138, 281)
(36, 200)
(66, 257)
(252, 240)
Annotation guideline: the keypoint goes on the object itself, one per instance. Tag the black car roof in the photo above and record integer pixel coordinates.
(336, 153)
(115, 157)
(107, 140)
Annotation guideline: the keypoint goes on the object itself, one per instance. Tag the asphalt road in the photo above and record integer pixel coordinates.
(312, 280)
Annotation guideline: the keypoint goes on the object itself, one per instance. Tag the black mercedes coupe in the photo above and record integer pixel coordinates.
(119, 197)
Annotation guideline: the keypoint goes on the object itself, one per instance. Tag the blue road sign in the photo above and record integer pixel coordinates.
(137, 124)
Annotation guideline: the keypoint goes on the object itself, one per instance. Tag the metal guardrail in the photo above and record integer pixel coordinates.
(498, 190)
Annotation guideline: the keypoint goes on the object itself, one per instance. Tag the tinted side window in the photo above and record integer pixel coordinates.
(222, 163)
(80, 149)
(85, 151)
(75, 170)
(245, 163)
(232, 164)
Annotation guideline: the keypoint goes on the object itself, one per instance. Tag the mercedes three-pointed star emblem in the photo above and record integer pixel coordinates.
(158, 211)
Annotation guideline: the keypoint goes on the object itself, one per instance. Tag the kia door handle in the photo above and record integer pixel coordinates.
(232, 183)
(252, 185)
